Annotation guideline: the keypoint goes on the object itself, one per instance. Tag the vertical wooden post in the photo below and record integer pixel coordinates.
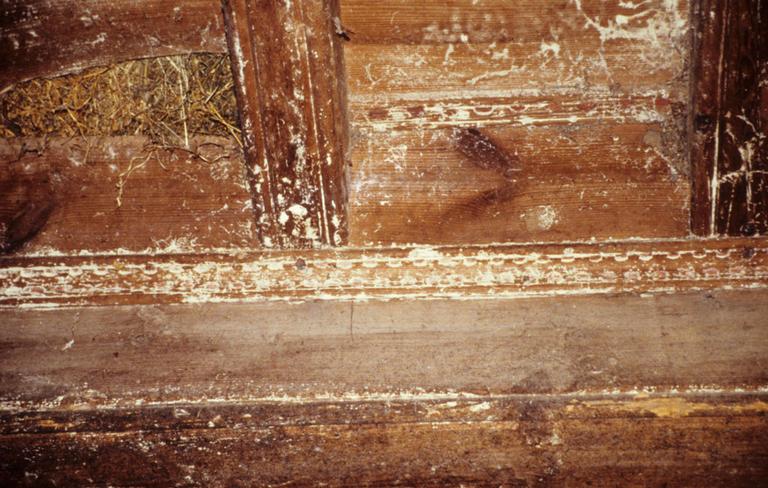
(729, 143)
(289, 80)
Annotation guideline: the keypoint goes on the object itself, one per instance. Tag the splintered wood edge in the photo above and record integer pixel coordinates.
(459, 272)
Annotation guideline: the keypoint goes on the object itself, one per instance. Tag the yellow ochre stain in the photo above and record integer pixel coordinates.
(674, 407)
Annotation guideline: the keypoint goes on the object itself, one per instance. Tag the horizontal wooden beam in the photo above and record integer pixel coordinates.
(121, 356)
(496, 271)
(676, 440)
(42, 38)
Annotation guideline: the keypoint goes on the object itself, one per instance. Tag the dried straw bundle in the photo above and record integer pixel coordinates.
(168, 99)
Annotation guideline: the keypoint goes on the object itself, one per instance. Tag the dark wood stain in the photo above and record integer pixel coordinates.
(535, 441)
(482, 151)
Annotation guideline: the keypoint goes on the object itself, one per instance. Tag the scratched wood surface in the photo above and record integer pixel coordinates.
(48, 38)
(525, 392)
(595, 150)
(511, 271)
(629, 362)
(730, 118)
(122, 193)
(669, 441)
(463, 201)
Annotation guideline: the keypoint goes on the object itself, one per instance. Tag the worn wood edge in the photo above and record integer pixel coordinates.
(701, 134)
(458, 272)
(726, 140)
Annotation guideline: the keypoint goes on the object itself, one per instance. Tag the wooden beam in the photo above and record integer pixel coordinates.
(499, 271)
(677, 440)
(43, 38)
(730, 118)
(113, 357)
(289, 83)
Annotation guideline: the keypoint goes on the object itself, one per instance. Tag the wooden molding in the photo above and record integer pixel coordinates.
(729, 149)
(289, 83)
(496, 271)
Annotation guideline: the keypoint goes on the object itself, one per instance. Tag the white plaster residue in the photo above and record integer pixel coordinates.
(657, 26)
(447, 61)
(298, 211)
(480, 407)
(100, 39)
(547, 217)
(549, 47)
(500, 55)
(424, 253)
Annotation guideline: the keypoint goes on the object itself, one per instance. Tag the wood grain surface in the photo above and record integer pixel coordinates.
(536, 392)
(116, 356)
(384, 273)
(730, 118)
(672, 441)
(289, 81)
(42, 38)
(590, 98)
(122, 194)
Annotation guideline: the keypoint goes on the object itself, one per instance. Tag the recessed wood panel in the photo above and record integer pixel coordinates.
(124, 194)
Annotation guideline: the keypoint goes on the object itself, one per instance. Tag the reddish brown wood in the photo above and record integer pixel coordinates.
(678, 440)
(122, 194)
(552, 84)
(289, 82)
(730, 118)
(41, 38)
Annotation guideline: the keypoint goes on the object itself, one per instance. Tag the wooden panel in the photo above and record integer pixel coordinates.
(570, 182)
(400, 48)
(543, 80)
(555, 85)
(46, 38)
(672, 441)
(122, 194)
(288, 71)
(730, 107)
(42, 38)
(457, 272)
(110, 357)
